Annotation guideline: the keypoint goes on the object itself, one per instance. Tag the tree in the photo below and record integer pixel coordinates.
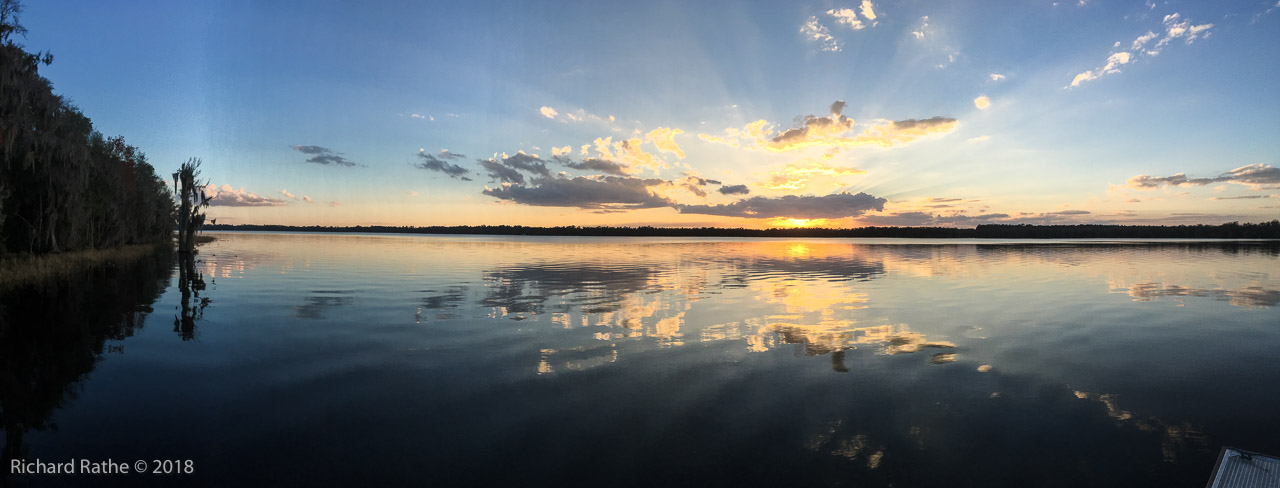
(191, 201)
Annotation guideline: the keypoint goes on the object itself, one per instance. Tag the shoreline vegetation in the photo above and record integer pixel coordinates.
(25, 269)
(71, 198)
(1232, 230)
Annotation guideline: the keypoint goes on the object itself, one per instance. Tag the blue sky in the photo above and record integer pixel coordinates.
(953, 113)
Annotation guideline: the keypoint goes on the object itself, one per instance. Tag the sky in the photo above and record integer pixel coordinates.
(738, 114)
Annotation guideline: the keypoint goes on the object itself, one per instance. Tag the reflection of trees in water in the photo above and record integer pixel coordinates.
(52, 335)
(190, 284)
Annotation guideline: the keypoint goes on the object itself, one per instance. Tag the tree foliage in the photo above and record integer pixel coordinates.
(63, 186)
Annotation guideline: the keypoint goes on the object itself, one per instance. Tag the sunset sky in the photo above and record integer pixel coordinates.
(835, 113)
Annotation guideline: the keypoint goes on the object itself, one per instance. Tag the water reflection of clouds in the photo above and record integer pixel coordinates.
(1254, 296)
(805, 295)
(317, 305)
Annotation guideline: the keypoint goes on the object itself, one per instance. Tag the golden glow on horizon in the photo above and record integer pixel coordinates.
(787, 222)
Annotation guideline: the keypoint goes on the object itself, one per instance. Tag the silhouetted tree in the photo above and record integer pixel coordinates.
(191, 202)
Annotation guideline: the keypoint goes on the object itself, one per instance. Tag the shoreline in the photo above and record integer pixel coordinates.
(1230, 231)
(26, 269)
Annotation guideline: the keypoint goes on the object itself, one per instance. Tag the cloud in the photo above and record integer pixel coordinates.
(734, 190)
(923, 30)
(287, 194)
(996, 77)
(508, 169)
(848, 17)
(905, 131)
(868, 11)
(307, 199)
(982, 138)
(664, 139)
(420, 116)
(440, 162)
(1257, 176)
(816, 131)
(1174, 28)
(829, 131)
(982, 102)
(629, 153)
(226, 196)
(1242, 197)
(912, 219)
(833, 206)
(795, 176)
(335, 204)
(816, 32)
(561, 151)
(548, 112)
(324, 155)
(600, 192)
(411, 193)
(601, 165)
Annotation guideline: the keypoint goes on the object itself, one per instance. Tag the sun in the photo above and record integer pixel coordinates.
(790, 222)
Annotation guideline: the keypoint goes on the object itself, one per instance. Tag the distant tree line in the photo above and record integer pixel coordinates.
(1233, 230)
(63, 186)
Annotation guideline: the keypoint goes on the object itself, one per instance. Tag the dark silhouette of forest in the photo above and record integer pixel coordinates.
(63, 185)
(1233, 230)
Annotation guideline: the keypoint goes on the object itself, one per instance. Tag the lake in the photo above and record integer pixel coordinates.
(331, 359)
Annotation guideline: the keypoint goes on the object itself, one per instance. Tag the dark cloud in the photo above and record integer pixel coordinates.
(1243, 197)
(438, 162)
(913, 219)
(833, 206)
(1254, 175)
(324, 155)
(603, 192)
(1071, 212)
(694, 184)
(508, 169)
(922, 124)
(735, 190)
(592, 164)
(500, 172)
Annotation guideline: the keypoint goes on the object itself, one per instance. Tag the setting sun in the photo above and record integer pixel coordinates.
(789, 222)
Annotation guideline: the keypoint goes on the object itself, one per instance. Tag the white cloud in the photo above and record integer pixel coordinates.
(996, 77)
(287, 194)
(664, 139)
(1142, 40)
(548, 112)
(924, 28)
(982, 102)
(561, 151)
(848, 17)
(307, 199)
(816, 32)
(868, 11)
(1175, 27)
(226, 196)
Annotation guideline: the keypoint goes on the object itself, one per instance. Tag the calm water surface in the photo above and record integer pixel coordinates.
(331, 359)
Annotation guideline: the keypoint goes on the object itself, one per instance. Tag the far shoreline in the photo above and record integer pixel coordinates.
(1229, 231)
